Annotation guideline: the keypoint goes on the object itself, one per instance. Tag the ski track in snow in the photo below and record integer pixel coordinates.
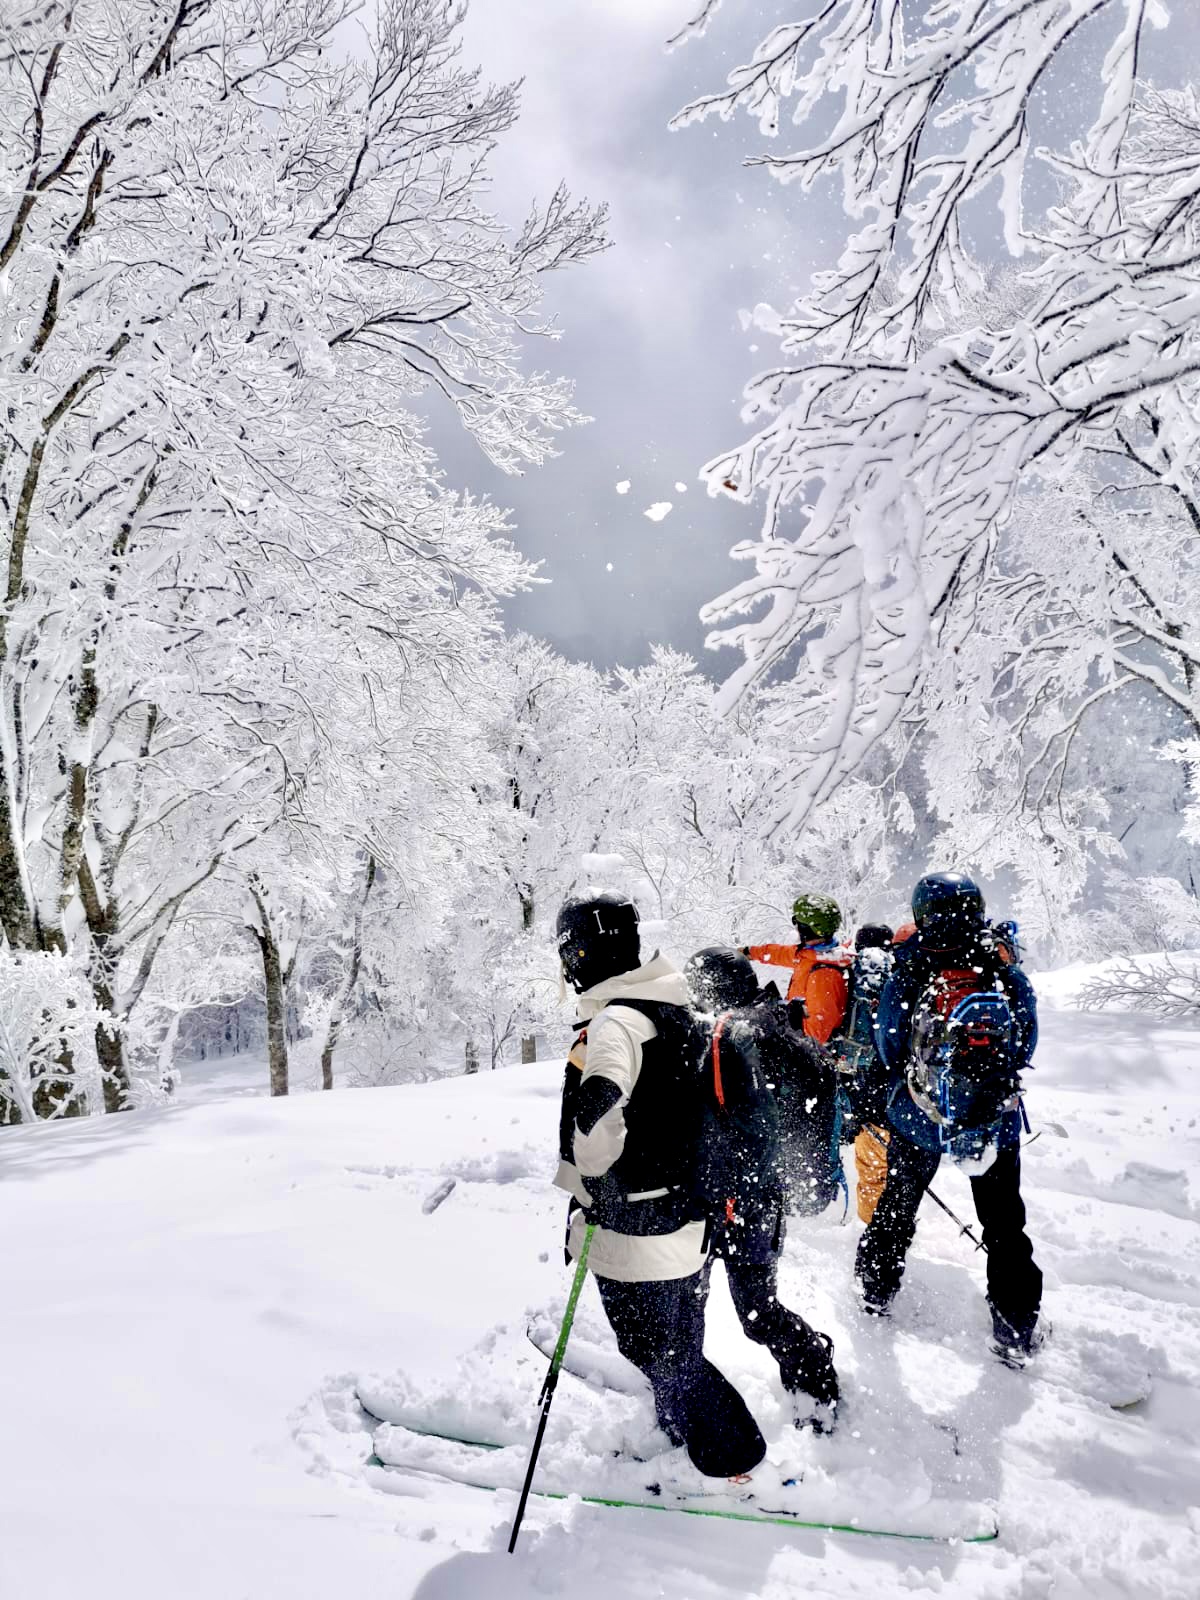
(197, 1297)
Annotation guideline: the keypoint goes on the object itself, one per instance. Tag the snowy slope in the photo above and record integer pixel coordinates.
(192, 1296)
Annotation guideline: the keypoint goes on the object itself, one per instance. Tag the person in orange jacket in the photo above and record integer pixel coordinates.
(819, 966)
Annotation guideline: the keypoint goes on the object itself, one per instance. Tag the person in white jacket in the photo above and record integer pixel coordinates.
(629, 1152)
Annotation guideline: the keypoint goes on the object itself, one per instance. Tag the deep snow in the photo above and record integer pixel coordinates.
(194, 1293)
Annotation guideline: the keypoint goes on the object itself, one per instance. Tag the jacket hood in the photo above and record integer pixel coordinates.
(656, 979)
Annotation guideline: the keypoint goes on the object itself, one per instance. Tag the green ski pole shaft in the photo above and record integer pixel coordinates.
(551, 1382)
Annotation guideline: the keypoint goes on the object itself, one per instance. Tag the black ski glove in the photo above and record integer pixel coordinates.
(603, 1190)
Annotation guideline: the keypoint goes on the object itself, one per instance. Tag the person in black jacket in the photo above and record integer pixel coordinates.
(748, 1059)
(803, 1079)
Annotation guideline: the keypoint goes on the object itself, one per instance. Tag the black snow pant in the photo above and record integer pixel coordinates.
(1014, 1282)
(660, 1328)
(804, 1356)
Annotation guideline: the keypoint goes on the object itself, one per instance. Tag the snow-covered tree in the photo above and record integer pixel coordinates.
(697, 829)
(47, 1036)
(894, 439)
(641, 784)
(543, 795)
(235, 263)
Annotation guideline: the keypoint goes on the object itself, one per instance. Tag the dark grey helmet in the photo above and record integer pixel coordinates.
(720, 978)
(948, 909)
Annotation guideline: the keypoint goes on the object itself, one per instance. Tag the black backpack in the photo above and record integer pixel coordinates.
(738, 1170)
(801, 1081)
(664, 1120)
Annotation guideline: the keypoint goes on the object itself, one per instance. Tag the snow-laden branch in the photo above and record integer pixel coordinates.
(915, 404)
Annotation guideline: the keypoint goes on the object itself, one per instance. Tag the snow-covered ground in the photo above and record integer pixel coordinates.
(193, 1294)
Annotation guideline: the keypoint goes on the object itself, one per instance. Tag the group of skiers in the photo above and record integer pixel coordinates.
(701, 1109)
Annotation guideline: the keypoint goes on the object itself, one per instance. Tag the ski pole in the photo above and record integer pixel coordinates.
(551, 1381)
(962, 1226)
(959, 1223)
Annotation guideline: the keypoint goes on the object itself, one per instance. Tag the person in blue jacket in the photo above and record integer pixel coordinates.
(953, 937)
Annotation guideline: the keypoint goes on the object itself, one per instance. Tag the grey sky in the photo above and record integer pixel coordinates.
(651, 331)
(651, 334)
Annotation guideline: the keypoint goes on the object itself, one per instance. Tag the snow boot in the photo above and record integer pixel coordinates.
(815, 1406)
(668, 1425)
(1016, 1346)
(872, 1307)
(815, 1416)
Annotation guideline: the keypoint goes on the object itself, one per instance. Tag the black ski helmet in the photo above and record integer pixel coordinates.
(873, 936)
(597, 937)
(947, 909)
(720, 979)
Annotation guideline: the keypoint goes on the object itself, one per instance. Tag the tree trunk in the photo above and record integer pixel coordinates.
(15, 914)
(166, 1052)
(277, 1050)
(342, 999)
(109, 1037)
(472, 1057)
(525, 894)
(18, 1105)
(52, 1092)
(110, 1051)
(275, 985)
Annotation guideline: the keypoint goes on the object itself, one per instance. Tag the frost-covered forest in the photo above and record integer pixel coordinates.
(466, 465)
(275, 772)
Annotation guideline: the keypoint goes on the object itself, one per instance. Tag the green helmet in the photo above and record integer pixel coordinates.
(818, 912)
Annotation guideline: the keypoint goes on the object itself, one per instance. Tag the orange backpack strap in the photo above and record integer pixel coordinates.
(731, 1215)
(718, 1086)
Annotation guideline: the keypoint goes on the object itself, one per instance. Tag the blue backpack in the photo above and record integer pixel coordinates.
(963, 1067)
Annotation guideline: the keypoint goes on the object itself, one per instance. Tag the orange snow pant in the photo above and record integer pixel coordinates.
(870, 1163)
